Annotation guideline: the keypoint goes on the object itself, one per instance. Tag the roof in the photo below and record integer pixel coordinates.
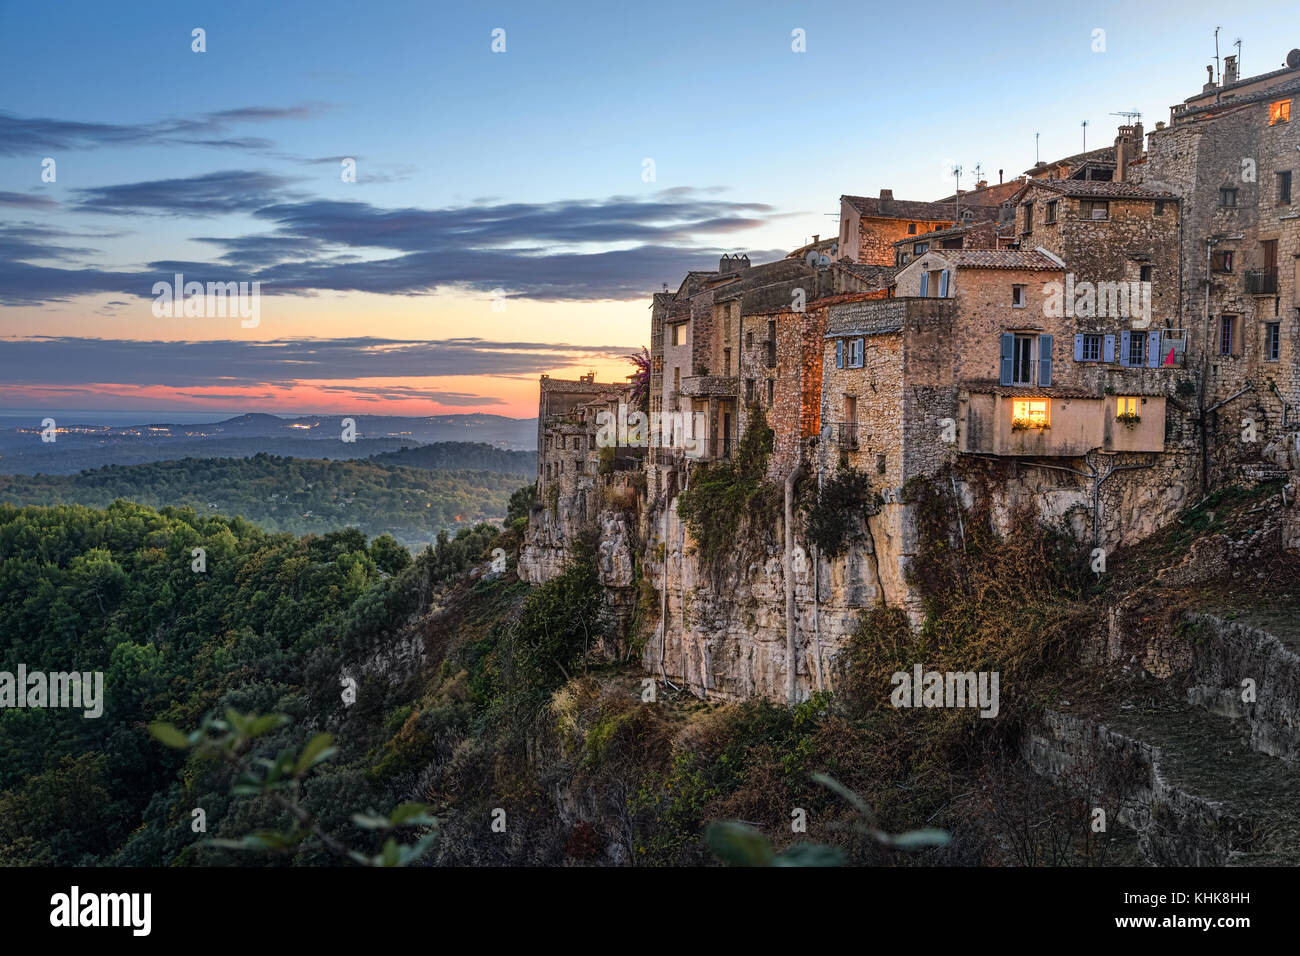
(981, 224)
(1246, 82)
(989, 385)
(901, 208)
(1231, 102)
(997, 259)
(866, 271)
(1101, 189)
(1105, 154)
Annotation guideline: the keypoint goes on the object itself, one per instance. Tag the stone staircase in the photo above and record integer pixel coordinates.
(1203, 775)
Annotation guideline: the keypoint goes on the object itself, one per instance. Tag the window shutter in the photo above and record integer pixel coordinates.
(1123, 348)
(839, 353)
(943, 284)
(1007, 370)
(1044, 360)
(1108, 344)
(1153, 349)
(925, 284)
(859, 348)
(1236, 335)
(1078, 348)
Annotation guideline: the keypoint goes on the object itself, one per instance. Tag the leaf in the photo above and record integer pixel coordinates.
(319, 748)
(811, 854)
(830, 783)
(391, 855)
(260, 725)
(370, 821)
(166, 734)
(737, 844)
(411, 813)
(412, 853)
(916, 839)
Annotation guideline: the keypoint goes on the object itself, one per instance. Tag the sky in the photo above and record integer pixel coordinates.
(512, 209)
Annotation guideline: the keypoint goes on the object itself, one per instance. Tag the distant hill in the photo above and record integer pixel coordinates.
(292, 494)
(79, 447)
(461, 454)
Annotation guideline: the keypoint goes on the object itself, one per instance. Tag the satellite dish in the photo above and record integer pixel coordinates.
(1293, 59)
(823, 260)
(811, 259)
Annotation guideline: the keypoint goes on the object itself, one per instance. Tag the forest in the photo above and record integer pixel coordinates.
(445, 489)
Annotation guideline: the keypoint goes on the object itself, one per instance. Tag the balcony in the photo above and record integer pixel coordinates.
(846, 434)
(1261, 281)
(711, 386)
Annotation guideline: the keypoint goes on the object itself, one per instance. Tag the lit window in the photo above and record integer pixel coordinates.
(1126, 408)
(1029, 412)
(1279, 112)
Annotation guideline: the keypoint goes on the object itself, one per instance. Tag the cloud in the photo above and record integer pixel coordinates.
(25, 135)
(211, 194)
(63, 360)
(26, 200)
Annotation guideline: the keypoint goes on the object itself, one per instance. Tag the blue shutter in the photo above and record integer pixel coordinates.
(839, 353)
(925, 284)
(1078, 348)
(1153, 349)
(943, 284)
(1044, 360)
(859, 348)
(1123, 348)
(1109, 345)
(1007, 370)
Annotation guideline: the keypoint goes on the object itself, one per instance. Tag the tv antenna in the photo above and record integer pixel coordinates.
(1130, 115)
(1218, 75)
(1237, 44)
(1084, 124)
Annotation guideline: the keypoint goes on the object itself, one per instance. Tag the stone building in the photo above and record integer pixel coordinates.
(1231, 153)
(869, 227)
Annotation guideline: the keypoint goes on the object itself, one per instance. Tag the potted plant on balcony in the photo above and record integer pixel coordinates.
(1129, 419)
(1024, 424)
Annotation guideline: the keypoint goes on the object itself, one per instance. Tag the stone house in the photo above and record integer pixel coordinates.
(1232, 153)
(869, 227)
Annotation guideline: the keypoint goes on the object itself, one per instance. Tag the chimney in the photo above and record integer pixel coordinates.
(886, 202)
(982, 184)
(1229, 70)
(999, 177)
(1123, 152)
(1209, 83)
(816, 238)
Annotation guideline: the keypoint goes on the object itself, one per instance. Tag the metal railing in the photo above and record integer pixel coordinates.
(846, 433)
(1261, 281)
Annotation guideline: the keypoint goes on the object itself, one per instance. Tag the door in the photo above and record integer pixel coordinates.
(726, 434)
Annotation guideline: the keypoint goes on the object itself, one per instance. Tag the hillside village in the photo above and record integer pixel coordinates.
(1107, 337)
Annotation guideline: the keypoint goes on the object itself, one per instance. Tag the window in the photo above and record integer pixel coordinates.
(855, 348)
(1272, 341)
(1160, 207)
(1146, 272)
(1023, 357)
(902, 259)
(850, 409)
(749, 340)
(920, 247)
(677, 379)
(771, 390)
(749, 391)
(952, 243)
(1284, 188)
(1091, 348)
(1094, 209)
(1227, 197)
(1029, 218)
(1029, 413)
(771, 343)
(1017, 297)
(911, 229)
(1137, 350)
(726, 362)
(1227, 334)
(1126, 407)
(1051, 212)
(1221, 261)
(1279, 112)
(679, 333)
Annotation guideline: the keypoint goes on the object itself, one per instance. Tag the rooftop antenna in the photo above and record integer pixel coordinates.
(979, 173)
(1084, 124)
(1129, 115)
(956, 171)
(1216, 55)
(1036, 160)
(1237, 44)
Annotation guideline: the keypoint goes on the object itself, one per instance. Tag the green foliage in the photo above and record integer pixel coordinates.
(844, 498)
(720, 493)
(290, 494)
(559, 623)
(521, 503)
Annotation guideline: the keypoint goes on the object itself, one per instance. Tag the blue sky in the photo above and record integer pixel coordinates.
(478, 171)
